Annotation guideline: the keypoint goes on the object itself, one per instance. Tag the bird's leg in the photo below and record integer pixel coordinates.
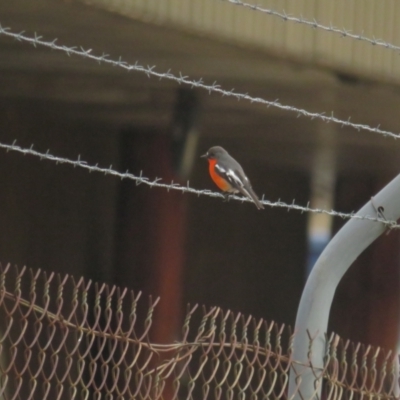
(227, 197)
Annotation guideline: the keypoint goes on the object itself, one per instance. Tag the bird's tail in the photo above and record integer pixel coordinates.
(249, 192)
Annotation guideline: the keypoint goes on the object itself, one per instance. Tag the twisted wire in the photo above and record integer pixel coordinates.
(66, 338)
(157, 182)
(185, 80)
(344, 33)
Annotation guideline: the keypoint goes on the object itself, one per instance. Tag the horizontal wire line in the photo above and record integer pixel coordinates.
(181, 79)
(139, 179)
(314, 24)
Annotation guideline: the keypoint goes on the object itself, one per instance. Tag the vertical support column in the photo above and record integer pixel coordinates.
(323, 180)
(152, 228)
(151, 236)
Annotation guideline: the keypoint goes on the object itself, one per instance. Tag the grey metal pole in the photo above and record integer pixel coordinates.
(335, 260)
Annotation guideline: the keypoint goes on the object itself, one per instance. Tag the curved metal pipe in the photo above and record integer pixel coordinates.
(316, 300)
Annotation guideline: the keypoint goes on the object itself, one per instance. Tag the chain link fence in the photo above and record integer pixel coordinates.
(62, 338)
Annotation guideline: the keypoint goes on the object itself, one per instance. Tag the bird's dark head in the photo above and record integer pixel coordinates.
(214, 153)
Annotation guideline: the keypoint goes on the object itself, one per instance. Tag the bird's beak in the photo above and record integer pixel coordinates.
(204, 155)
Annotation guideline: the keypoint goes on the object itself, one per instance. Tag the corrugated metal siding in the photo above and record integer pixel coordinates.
(374, 19)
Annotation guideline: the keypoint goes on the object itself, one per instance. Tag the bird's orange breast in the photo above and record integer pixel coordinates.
(219, 181)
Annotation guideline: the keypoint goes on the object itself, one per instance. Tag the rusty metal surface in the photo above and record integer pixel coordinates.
(62, 338)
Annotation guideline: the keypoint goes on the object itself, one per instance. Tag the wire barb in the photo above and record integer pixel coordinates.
(185, 80)
(316, 25)
(186, 188)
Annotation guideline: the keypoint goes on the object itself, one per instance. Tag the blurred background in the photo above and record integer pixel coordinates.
(186, 248)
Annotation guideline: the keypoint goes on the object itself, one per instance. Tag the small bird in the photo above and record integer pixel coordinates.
(228, 174)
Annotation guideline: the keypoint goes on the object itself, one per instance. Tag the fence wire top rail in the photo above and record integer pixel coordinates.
(185, 80)
(157, 182)
(63, 338)
(344, 33)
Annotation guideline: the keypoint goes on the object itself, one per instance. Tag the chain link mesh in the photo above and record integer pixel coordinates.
(66, 339)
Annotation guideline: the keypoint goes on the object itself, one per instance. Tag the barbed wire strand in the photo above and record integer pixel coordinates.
(157, 182)
(344, 33)
(185, 80)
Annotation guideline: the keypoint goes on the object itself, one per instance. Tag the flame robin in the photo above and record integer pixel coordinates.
(228, 174)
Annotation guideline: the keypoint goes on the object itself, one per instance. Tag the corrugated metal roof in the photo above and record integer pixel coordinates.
(244, 26)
